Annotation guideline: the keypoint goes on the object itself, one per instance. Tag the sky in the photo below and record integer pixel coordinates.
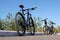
(45, 8)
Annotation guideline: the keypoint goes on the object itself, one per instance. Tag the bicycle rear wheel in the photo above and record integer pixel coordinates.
(31, 25)
(19, 23)
(45, 30)
(51, 31)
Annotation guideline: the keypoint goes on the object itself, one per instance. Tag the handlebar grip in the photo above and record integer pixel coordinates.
(34, 8)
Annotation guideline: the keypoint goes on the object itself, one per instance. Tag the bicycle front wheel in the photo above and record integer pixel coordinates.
(31, 25)
(19, 23)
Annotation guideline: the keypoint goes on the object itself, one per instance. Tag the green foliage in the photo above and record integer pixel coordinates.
(35, 21)
(58, 28)
(55, 30)
(0, 24)
(37, 24)
(40, 29)
(8, 24)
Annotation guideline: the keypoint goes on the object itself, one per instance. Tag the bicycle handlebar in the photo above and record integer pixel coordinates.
(52, 22)
(29, 9)
(44, 19)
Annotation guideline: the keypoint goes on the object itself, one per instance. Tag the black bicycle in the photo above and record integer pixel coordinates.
(22, 23)
(47, 29)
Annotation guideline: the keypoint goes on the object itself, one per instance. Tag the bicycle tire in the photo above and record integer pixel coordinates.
(45, 30)
(51, 31)
(32, 28)
(20, 23)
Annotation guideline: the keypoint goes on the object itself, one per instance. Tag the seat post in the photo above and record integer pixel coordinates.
(22, 11)
(21, 6)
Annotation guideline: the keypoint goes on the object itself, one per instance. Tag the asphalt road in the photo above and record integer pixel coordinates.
(12, 35)
(36, 37)
(4, 33)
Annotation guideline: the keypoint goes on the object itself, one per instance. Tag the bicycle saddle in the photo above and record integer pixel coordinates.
(21, 6)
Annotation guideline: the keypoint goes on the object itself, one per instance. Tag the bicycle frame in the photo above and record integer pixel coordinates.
(28, 14)
(24, 23)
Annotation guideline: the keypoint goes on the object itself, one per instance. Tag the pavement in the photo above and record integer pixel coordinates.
(12, 35)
